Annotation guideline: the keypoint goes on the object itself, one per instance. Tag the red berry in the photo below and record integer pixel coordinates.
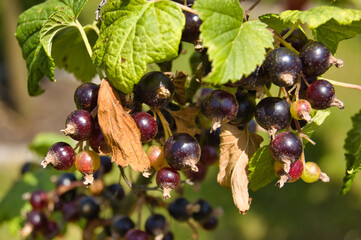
(167, 179)
(87, 162)
(61, 156)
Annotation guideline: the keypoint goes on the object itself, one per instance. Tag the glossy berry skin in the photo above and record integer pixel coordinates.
(301, 110)
(106, 164)
(86, 96)
(155, 224)
(154, 89)
(156, 157)
(121, 225)
(191, 29)
(87, 162)
(60, 156)
(96, 140)
(209, 155)
(178, 209)
(320, 94)
(167, 179)
(135, 234)
(273, 113)
(283, 66)
(182, 151)
(89, 208)
(295, 172)
(297, 38)
(116, 191)
(210, 224)
(37, 219)
(315, 59)
(198, 176)
(286, 146)
(311, 172)
(220, 106)
(246, 109)
(79, 125)
(146, 124)
(204, 212)
(39, 200)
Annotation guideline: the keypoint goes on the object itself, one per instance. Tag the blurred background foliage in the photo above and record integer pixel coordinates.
(297, 211)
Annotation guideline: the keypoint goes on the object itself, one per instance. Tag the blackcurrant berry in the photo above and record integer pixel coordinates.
(79, 125)
(179, 209)
(86, 96)
(255, 81)
(168, 236)
(87, 162)
(37, 219)
(311, 172)
(155, 225)
(273, 114)
(182, 151)
(39, 200)
(198, 176)
(317, 59)
(121, 225)
(209, 155)
(286, 148)
(65, 180)
(116, 191)
(106, 164)
(60, 156)
(283, 66)
(321, 95)
(156, 157)
(292, 175)
(154, 89)
(191, 29)
(204, 212)
(146, 124)
(70, 211)
(297, 38)
(167, 179)
(169, 119)
(135, 234)
(211, 223)
(89, 208)
(301, 110)
(96, 140)
(220, 106)
(246, 109)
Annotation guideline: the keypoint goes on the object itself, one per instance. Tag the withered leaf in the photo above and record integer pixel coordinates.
(185, 120)
(179, 81)
(120, 131)
(236, 147)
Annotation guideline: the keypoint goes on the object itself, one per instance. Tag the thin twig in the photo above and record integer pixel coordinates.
(342, 84)
(194, 230)
(129, 183)
(246, 13)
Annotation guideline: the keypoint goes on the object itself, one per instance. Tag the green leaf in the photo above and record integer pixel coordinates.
(274, 22)
(27, 33)
(261, 171)
(133, 34)
(43, 141)
(235, 48)
(353, 153)
(330, 24)
(13, 203)
(76, 6)
(316, 122)
(69, 52)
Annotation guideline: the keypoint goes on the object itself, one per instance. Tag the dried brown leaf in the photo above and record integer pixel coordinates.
(237, 147)
(179, 81)
(120, 131)
(185, 120)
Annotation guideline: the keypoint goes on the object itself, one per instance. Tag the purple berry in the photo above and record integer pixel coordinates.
(79, 125)
(146, 124)
(60, 156)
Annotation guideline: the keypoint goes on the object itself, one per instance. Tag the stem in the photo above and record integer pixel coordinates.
(246, 13)
(286, 44)
(342, 84)
(129, 183)
(267, 92)
(291, 30)
(167, 131)
(286, 95)
(183, 7)
(194, 230)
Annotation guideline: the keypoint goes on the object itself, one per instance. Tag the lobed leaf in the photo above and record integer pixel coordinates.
(329, 24)
(353, 153)
(274, 22)
(316, 122)
(235, 48)
(133, 34)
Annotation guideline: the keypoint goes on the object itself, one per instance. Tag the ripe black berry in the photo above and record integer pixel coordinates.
(209, 155)
(86, 96)
(321, 95)
(283, 66)
(297, 38)
(182, 151)
(211, 223)
(317, 59)
(116, 191)
(167, 179)
(37, 219)
(204, 211)
(89, 208)
(198, 176)
(246, 109)
(39, 199)
(286, 148)
(191, 29)
(178, 209)
(155, 225)
(220, 106)
(79, 125)
(154, 89)
(135, 234)
(121, 225)
(66, 180)
(96, 140)
(70, 211)
(60, 156)
(146, 124)
(273, 114)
